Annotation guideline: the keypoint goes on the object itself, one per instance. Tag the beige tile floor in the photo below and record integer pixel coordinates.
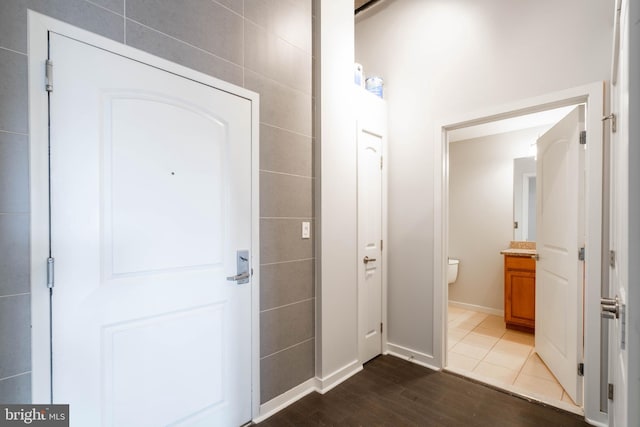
(479, 343)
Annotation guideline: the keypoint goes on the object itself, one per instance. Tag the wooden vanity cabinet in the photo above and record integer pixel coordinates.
(520, 292)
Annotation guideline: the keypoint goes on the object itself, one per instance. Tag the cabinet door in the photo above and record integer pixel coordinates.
(520, 294)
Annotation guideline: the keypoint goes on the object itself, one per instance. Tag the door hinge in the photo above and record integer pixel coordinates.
(614, 122)
(381, 245)
(610, 391)
(380, 162)
(50, 272)
(381, 328)
(581, 254)
(581, 369)
(612, 258)
(583, 137)
(48, 73)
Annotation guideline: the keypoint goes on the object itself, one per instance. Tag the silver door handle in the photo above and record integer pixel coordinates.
(367, 260)
(238, 277)
(242, 267)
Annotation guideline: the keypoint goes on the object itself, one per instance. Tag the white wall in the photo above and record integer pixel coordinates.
(481, 212)
(336, 202)
(444, 58)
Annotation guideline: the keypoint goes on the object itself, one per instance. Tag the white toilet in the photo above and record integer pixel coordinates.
(452, 270)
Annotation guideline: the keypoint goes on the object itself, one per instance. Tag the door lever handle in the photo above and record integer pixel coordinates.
(238, 277)
(242, 267)
(367, 260)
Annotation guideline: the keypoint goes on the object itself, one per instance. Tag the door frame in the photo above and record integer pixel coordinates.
(593, 96)
(373, 110)
(38, 28)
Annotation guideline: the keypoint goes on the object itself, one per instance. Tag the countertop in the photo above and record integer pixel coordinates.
(518, 252)
(520, 249)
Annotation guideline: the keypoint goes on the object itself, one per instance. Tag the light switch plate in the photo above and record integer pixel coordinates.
(306, 229)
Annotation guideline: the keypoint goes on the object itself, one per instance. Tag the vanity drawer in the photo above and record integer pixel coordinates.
(519, 263)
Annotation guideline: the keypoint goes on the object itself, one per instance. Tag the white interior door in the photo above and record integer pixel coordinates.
(560, 235)
(619, 231)
(150, 200)
(369, 241)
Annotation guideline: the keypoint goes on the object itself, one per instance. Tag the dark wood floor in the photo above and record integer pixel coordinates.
(393, 392)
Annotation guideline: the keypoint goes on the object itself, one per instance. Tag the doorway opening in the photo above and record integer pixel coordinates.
(493, 322)
(492, 228)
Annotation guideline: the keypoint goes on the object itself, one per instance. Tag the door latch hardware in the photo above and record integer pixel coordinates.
(614, 121)
(612, 258)
(367, 260)
(581, 254)
(610, 308)
(581, 369)
(242, 268)
(610, 391)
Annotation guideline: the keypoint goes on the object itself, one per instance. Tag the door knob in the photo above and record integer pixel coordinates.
(367, 260)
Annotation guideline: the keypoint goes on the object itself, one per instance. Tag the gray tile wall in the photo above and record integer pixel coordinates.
(263, 45)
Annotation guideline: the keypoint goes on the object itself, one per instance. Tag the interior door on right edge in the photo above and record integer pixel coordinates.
(560, 235)
(619, 231)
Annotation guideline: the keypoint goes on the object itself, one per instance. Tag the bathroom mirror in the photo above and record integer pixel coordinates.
(524, 199)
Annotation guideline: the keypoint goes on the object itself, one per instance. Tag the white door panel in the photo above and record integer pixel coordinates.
(560, 234)
(150, 200)
(619, 229)
(369, 237)
(370, 139)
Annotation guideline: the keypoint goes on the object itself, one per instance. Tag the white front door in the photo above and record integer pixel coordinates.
(560, 235)
(369, 240)
(150, 179)
(619, 231)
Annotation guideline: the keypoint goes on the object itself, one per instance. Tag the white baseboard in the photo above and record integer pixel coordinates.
(330, 381)
(285, 399)
(413, 356)
(320, 385)
(479, 308)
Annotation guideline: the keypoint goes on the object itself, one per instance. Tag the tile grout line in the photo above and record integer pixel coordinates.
(15, 295)
(519, 371)
(185, 43)
(310, 218)
(103, 8)
(288, 348)
(288, 305)
(287, 262)
(14, 133)
(286, 174)
(14, 51)
(280, 37)
(288, 130)
(124, 16)
(15, 376)
(522, 367)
